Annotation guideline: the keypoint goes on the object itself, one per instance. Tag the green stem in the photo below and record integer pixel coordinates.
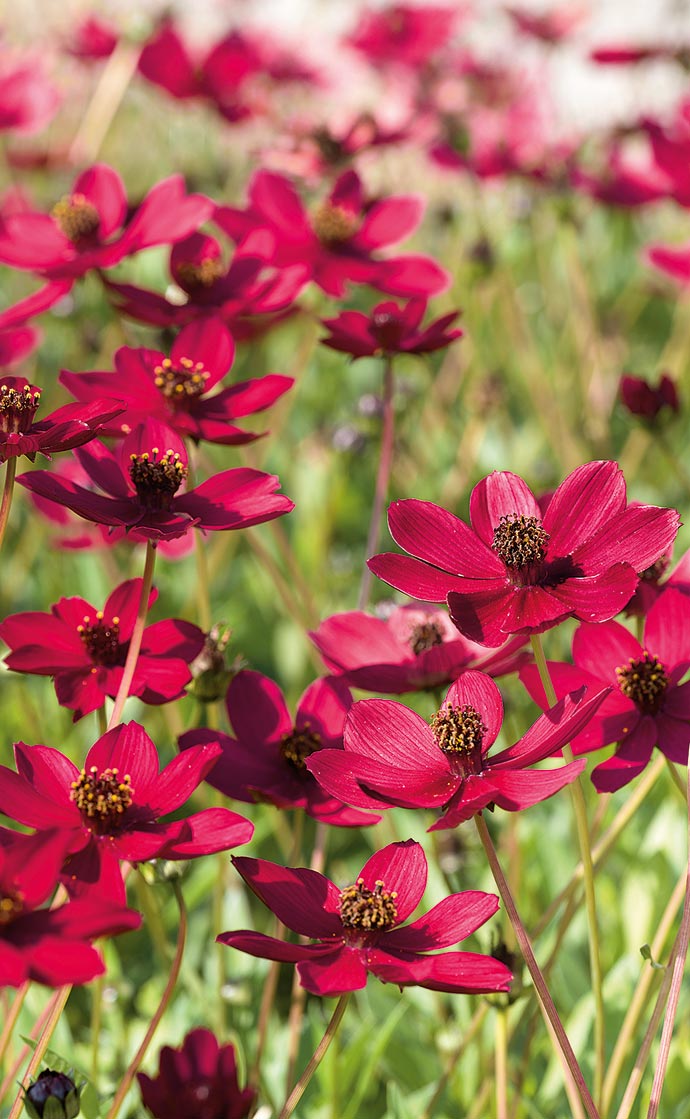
(11, 1019)
(8, 490)
(58, 1005)
(382, 478)
(102, 720)
(319, 1053)
(501, 1062)
(135, 639)
(96, 1019)
(677, 779)
(580, 812)
(127, 1079)
(564, 1049)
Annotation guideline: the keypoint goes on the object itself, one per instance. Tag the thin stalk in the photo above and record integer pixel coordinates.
(580, 812)
(101, 720)
(57, 1006)
(8, 490)
(501, 1062)
(135, 639)
(13, 1072)
(564, 1049)
(319, 1053)
(382, 478)
(677, 779)
(127, 1079)
(112, 86)
(676, 970)
(469, 1035)
(11, 1018)
(96, 1019)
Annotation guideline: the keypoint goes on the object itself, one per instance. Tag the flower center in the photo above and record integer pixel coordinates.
(18, 407)
(298, 745)
(101, 639)
(643, 681)
(333, 225)
(657, 570)
(424, 636)
(11, 905)
(520, 541)
(362, 908)
(102, 798)
(387, 329)
(202, 273)
(76, 218)
(181, 382)
(155, 479)
(460, 732)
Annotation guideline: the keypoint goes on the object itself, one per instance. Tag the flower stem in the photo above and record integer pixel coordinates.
(319, 1053)
(112, 86)
(382, 477)
(564, 1048)
(58, 1005)
(11, 1018)
(134, 1064)
(501, 1062)
(136, 638)
(8, 490)
(580, 812)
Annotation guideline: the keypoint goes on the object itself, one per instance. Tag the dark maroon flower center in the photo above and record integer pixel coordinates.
(157, 479)
(101, 639)
(298, 744)
(102, 798)
(200, 274)
(424, 636)
(18, 408)
(520, 541)
(644, 681)
(77, 218)
(368, 910)
(387, 329)
(333, 225)
(182, 382)
(460, 732)
(11, 905)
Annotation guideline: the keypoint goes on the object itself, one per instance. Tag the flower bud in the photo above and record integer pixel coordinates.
(210, 671)
(53, 1096)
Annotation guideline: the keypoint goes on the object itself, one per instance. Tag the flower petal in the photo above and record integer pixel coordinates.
(500, 494)
(303, 900)
(447, 923)
(402, 867)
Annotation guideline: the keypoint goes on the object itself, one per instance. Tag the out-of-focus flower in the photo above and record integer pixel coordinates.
(266, 761)
(642, 399)
(68, 427)
(110, 809)
(143, 489)
(391, 328)
(85, 650)
(623, 54)
(551, 26)
(28, 99)
(52, 1096)
(403, 34)
(415, 648)
(521, 570)
(622, 181)
(17, 343)
(338, 240)
(196, 1081)
(392, 756)
(359, 930)
(647, 706)
(93, 39)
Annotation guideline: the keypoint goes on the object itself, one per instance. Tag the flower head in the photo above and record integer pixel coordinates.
(642, 399)
(196, 1081)
(69, 426)
(389, 329)
(52, 1096)
(359, 930)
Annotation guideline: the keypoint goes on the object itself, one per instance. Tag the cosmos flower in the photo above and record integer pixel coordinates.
(196, 1081)
(67, 427)
(642, 399)
(389, 329)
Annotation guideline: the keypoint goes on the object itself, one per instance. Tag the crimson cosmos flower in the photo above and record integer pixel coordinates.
(177, 390)
(337, 241)
(110, 808)
(415, 648)
(358, 930)
(141, 480)
(17, 343)
(403, 34)
(518, 570)
(548, 27)
(647, 705)
(389, 329)
(28, 99)
(392, 756)
(68, 427)
(196, 1081)
(266, 761)
(48, 945)
(84, 649)
(645, 400)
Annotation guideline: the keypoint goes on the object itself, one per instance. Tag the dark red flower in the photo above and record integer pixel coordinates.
(648, 705)
(622, 181)
(548, 27)
(518, 570)
(266, 760)
(17, 343)
(142, 481)
(389, 329)
(196, 1081)
(414, 648)
(642, 399)
(392, 756)
(177, 390)
(403, 34)
(337, 241)
(68, 427)
(623, 54)
(358, 930)
(93, 39)
(48, 945)
(110, 809)
(655, 580)
(28, 99)
(85, 649)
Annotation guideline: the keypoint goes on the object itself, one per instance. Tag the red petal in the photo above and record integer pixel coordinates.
(447, 923)
(128, 749)
(500, 494)
(303, 900)
(334, 974)
(479, 691)
(436, 536)
(413, 576)
(582, 505)
(402, 867)
(257, 709)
